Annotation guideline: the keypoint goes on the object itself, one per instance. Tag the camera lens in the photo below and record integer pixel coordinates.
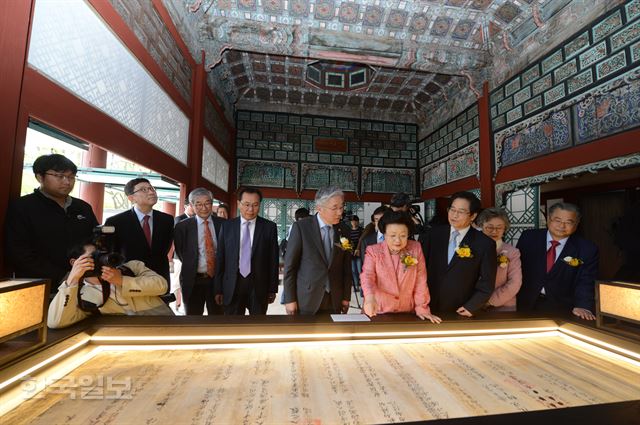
(112, 259)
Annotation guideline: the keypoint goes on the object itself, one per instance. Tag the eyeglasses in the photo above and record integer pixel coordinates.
(70, 178)
(493, 228)
(145, 189)
(250, 205)
(559, 222)
(454, 211)
(199, 205)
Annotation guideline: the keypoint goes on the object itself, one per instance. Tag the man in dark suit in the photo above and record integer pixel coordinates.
(143, 233)
(196, 239)
(461, 261)
(559, 269)
(247, 261)
(188, 212)
(317, 270)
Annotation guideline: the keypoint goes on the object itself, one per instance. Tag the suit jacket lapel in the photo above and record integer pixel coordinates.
(335, 250)
(403, 272)
(390, 265)
(235, 238)
(192, 235)
(467, 240)
(257, 234)
(316, 236)
(455, 258)
(569, 249)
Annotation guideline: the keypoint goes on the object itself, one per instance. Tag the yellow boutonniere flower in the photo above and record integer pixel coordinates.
(464, 251)
(503, 260)
(345, 244)
(408, 260)
(572, 261)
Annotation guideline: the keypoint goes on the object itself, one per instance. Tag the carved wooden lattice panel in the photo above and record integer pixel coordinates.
(282, 211)
(522, 208)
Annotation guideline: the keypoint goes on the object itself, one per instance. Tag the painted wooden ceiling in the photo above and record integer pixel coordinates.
(421, 55)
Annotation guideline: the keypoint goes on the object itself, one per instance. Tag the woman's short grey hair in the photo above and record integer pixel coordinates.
(199, 191)
(323, 195)
(566, 207)
(491, 213)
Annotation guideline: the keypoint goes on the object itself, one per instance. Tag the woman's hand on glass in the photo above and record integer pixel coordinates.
(370, 306)
(432, 317)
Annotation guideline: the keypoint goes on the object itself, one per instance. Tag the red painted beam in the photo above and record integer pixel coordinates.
(621, 144)
(166, 19)
(487, 188)
(196, 126)
(448, 189)
(15, 19)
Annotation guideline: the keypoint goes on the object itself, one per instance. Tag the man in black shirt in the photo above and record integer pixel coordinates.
(42, 226)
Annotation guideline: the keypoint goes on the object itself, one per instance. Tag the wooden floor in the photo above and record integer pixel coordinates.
(333, 384)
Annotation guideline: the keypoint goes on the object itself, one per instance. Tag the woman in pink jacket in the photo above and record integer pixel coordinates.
(394, 273)
(494, 223)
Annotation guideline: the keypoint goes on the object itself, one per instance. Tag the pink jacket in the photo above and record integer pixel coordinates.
(404, 290)
(508, 280)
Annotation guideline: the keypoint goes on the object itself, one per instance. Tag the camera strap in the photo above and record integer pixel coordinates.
(88, 306)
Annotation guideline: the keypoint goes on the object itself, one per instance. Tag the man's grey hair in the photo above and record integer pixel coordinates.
(566, 206)
(323, 195)
(199, 191)
(491, 213)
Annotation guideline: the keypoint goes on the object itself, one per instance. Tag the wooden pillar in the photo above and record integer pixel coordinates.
(196, 128)
(93, 193)
(15, 17)
(167, 207)
(487, 188)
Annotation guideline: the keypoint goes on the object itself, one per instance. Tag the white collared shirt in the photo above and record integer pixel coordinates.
(141, 215)
(460, 237)
(202, 248)
(322, 224)
(559, 248)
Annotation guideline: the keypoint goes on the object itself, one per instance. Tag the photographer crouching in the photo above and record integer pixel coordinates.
(100, 282)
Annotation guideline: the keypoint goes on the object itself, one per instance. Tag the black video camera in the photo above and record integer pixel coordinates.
(104, 254)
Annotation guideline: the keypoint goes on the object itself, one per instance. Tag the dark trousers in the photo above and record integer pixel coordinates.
(326, 306)
(201, 294)
(244, 297)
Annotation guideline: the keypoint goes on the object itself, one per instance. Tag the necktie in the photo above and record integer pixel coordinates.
(453, 245)
(551, 255)
(245, 251)
(146, 229)
(209, 250)
(326, 242)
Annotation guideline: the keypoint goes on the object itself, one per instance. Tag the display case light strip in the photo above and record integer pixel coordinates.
(107, 338)
(297, 344)
(598, 344)
(42, 364)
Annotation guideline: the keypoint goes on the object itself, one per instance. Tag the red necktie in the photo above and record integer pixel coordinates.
(551, 255)
(146, 229)
(208, 247)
